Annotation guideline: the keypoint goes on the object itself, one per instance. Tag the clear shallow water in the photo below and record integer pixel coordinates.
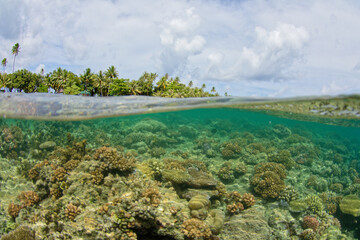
(135, 176)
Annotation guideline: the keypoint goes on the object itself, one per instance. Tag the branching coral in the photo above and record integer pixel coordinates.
(153, 196)
(28, 198)
(314, 204)
(248, 200)
(109, 160)
(235, 208)
(71, 211)
(230, 149)
(14, 209)
(196, 229)
(268, 179)
(237, 202)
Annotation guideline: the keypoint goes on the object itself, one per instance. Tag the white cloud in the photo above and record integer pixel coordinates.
(180, 41)
(270, 56)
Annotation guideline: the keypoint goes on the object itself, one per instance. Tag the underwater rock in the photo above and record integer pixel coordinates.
(47, 145)
(251, 224)
(282, 223)
(192, 178)
(201, 179)
(350, 205)
(176, 176)
(191, 192)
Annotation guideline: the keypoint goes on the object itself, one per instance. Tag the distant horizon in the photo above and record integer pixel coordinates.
(245, 48)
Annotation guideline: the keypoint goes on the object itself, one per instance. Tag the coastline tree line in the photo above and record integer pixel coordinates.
(103, 83)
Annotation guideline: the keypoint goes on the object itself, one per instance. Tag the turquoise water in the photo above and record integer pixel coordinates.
(140, 177)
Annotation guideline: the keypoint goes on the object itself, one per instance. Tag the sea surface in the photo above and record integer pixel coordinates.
(154, 168)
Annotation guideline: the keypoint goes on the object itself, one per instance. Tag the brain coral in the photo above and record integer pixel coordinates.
(199, 201)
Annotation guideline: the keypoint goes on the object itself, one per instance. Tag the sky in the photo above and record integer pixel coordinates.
(263, 48)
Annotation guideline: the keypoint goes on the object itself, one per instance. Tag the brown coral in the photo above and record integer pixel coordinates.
(277, 168)
(114, 160)
(14, 209)
(268, 179)
(28, 198)
(230, 149)
(71, 211)
(153, 196)
(59, 175)
(97, 176)
(33, 173)
(268, 184)
(248, 200)
(71, 165)
(196, 229)
(235, 208)
(310, 222)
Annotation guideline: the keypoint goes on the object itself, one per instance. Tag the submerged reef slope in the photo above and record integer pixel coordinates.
(199, 174)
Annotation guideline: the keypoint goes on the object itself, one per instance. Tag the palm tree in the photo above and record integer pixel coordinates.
(162, 84)
(100, 82)
(87, 79)
(134, 87)
(191, 84)
(3, 63)
(59, 79)
(15, 51)
(111, 74)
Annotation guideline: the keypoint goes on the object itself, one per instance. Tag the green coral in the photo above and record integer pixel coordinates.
(350, 205)
(315, 204)
(297, 206)
(176, 176)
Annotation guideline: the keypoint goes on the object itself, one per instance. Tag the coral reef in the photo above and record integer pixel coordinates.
(177, 176)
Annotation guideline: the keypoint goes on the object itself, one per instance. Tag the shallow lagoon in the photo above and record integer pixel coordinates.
(204, 173)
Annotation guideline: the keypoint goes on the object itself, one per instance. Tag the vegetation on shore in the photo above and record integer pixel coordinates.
(103, 83)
